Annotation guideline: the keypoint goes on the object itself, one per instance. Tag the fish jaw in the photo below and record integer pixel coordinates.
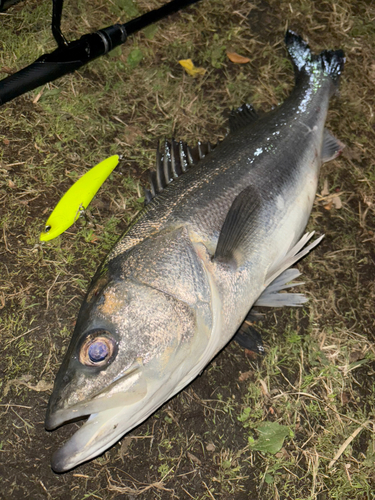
(105, 428)
(112, 416)
(101, 431)
(95, 436)
(127, 391)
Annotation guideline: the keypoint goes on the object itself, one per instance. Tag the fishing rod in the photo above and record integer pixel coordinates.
(70, 56)
(5, 4)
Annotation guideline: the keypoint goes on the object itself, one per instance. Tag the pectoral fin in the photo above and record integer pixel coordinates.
(240, 227)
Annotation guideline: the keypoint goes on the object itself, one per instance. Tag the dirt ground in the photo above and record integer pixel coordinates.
(316, 377)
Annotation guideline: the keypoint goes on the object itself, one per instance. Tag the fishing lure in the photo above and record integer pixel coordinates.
(77, 198)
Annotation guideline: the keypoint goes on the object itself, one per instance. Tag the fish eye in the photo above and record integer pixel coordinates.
(47, 229)
(98, 349)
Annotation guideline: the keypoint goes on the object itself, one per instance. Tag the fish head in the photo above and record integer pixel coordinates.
(126, 355)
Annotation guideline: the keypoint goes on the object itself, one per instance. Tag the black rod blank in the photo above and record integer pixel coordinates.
(67, 58)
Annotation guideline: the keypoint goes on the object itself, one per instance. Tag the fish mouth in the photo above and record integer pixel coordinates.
(126, 390)
(132, 399)
(96, 435)
(108, 413)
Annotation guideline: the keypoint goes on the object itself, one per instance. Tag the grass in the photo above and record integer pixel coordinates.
(316, 378)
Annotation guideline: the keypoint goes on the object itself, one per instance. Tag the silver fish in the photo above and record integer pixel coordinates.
(216, 237)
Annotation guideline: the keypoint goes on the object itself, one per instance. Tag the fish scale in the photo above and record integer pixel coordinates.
(211, 243)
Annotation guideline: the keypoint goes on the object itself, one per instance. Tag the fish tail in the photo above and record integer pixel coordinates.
(329, 62)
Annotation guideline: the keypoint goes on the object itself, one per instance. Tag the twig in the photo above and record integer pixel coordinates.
(21, 335)
(209, 492)
(16, 406)
(50, 288)
(346, 443)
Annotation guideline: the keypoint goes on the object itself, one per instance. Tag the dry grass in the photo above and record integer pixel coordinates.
(317, 375)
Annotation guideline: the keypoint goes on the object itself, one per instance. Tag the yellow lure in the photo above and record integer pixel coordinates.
(77, 198)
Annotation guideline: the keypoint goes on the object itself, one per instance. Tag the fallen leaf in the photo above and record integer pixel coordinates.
(264, 387)
(244, 376)
(251, 354)
(345, 398)
(337, 203)
(41, 386)
(237, 59)
(271, 437)
(189, 67)
(282, 454)
(16, 382)
(125, 443)
(325, 190)
(193, 458)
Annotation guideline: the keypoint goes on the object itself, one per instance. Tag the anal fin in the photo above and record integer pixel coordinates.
(280, 277)
(331, 147)
(293, 255)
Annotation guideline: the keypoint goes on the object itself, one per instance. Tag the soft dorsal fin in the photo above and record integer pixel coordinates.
(242, 116)
(172, 160)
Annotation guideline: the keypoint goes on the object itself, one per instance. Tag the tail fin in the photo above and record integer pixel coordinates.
(330, 62)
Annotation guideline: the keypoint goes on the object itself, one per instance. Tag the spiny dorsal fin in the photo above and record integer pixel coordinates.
(172, 160)
(241, 117)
